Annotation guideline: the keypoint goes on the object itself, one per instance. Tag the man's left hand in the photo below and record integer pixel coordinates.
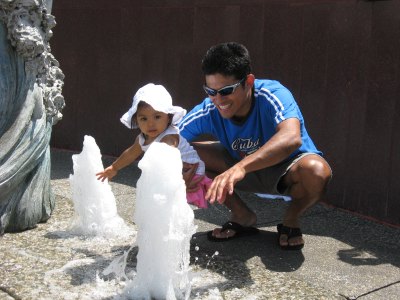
(224, 183)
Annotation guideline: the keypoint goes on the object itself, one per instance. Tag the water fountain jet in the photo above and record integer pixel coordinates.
(94, 202)
(165, 227)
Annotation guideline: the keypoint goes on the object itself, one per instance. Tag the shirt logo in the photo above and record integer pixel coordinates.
(245, 146)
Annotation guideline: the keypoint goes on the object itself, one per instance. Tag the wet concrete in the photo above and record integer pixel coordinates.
(345, 257)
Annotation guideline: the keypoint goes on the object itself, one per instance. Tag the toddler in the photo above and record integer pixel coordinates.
(153, 113)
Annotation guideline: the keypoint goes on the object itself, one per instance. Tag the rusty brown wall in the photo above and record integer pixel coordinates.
(341, 60)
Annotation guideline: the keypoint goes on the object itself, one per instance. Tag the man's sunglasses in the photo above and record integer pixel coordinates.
(225, 91)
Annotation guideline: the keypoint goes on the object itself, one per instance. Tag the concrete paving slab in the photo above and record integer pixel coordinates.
(345, 257)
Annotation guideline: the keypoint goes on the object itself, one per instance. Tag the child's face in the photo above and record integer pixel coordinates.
(151, 122)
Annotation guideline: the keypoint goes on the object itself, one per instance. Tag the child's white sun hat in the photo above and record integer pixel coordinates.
(157, 97)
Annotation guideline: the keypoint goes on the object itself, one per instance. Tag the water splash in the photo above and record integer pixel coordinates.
(118, 266)
(212, 256)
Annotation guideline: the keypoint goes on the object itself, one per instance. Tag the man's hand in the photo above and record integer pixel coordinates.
(224, 183)
(188, 172)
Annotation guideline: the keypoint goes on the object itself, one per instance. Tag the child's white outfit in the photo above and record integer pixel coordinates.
(188, 155)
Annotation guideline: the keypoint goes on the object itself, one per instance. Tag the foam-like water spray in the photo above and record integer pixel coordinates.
(94, 202)
(165, 227)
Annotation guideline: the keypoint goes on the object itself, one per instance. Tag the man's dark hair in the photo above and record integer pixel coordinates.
(229, 59)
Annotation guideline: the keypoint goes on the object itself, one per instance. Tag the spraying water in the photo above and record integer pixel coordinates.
(94, 202)
(165, 227)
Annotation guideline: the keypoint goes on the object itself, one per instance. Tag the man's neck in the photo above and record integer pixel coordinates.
(241, 119)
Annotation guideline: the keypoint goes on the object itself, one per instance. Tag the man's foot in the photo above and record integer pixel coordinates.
(290, 238)
(230, 230)
(241, 216)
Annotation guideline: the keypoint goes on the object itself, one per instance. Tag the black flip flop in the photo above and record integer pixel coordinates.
(240, 231)
(291, 232)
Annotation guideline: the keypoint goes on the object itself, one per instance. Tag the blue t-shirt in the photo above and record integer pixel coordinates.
(273, 104)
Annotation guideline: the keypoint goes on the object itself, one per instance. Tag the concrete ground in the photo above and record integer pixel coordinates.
(345, 256)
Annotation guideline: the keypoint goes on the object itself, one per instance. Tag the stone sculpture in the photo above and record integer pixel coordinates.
(30, 104)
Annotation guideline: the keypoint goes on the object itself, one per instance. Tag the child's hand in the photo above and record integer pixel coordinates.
(108, 173)
(188, 172)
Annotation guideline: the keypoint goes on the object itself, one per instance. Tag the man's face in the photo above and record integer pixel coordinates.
(238, 103)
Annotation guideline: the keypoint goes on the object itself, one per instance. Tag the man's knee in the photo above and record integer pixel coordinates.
(315, 173)
(213, 155)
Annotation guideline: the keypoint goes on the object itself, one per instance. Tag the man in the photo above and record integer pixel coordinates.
(262, 147)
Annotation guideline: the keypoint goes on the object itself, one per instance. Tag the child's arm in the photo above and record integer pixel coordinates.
(171, 139)
(126, 158)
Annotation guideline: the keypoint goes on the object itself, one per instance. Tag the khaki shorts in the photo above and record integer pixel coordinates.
(268, 180)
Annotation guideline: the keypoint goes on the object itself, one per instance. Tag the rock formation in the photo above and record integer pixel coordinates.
(30, 104)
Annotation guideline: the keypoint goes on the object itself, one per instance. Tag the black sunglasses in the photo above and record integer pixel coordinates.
(225, 91)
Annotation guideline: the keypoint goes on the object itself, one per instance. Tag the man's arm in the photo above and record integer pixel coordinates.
(284, 142)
